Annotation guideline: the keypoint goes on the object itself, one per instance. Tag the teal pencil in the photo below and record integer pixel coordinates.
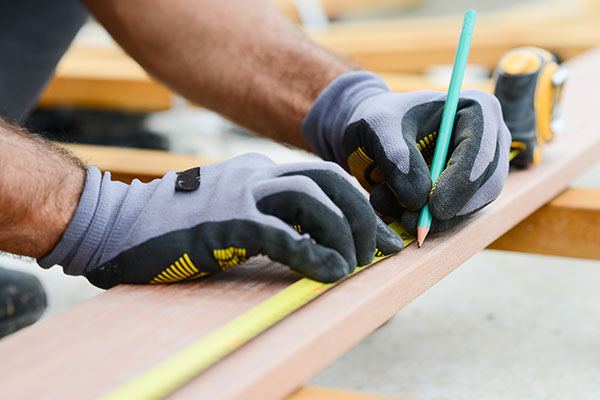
(445, 132)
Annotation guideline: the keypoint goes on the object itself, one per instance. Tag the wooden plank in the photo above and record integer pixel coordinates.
(318, 393)
(411, 45)
(406, 82)
(126, 164)
(336, 8)
(104, 78)
(567, 226)
(108, 340)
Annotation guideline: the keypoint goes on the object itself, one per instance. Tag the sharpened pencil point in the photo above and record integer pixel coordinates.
(419, 244)
(421, 235)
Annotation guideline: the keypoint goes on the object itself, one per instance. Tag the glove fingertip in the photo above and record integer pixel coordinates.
(388, 242)
(333, 268)
(442, 208)
(409, 221)
(382, 199)
(410, 191)
(365, 259)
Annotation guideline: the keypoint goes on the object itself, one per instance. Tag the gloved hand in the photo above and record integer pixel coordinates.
(386, 140)
(215, 217)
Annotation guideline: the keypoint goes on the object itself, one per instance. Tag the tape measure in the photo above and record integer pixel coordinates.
(173, 372)
(528, 83)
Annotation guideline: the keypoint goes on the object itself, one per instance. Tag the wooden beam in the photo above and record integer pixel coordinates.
(336, 8)
(113, 337)
(411, 45)
(319, 393)
(406, 82)
(104, 78)
(127, 164)
(568, 226)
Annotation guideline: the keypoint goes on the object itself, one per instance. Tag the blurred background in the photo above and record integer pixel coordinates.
(504, 325)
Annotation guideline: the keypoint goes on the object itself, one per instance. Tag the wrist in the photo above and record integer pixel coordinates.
(83, 235)
(40, 186)
(105, 214)
(62, 203)
(324, 125)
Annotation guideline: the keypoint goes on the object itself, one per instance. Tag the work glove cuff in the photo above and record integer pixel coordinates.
(324, 125)
(86, 231)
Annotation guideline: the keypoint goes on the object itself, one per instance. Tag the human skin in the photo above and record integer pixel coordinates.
(40, 185)
(240, 58)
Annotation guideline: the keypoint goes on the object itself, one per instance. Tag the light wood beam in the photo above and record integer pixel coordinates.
(126, 164)
(568, 226)
(104, 78)
(411, 45)
(407, 82)
(336, 8)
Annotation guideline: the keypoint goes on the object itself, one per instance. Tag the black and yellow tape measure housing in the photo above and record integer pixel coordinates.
(528, 83)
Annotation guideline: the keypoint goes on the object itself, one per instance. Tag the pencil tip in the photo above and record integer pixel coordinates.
(419, 244)
(421, 234)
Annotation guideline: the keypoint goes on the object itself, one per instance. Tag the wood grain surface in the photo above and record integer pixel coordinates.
(412, 45)
(568, 226)
(90, 349)
(335, 8)
(104, 78)
(126, 164)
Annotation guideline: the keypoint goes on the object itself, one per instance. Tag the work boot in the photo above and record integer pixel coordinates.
(22, 300)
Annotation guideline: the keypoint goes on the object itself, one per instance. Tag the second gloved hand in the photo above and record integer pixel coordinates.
(214, 217)
(387, 140)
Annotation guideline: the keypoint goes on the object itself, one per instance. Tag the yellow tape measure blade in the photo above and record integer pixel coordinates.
(173, 372)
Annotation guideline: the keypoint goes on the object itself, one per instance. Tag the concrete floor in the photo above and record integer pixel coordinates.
(502, 326)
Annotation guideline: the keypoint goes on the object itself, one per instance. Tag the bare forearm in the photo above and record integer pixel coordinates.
(240, 58)
(40, 185)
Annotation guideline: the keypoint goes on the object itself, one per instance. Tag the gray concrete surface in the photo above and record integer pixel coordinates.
(502, 326)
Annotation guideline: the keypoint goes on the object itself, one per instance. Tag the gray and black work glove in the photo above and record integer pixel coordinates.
(386, 140)
(308, 216)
